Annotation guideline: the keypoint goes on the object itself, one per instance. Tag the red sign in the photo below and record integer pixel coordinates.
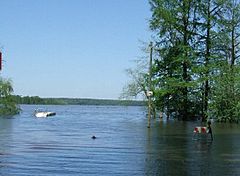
(0, 61)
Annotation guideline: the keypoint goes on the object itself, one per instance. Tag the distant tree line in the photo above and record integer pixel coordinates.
(196, 69)
(34, 100)
(74, 101)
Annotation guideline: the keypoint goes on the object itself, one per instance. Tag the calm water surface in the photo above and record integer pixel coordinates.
(62, 145)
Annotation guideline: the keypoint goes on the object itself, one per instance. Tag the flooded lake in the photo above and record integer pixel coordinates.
(62, 145)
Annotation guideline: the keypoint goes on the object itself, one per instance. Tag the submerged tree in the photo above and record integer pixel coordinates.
(225, 102)
(8, 105)
(195, 39)
(226, 93)
(196, 66)
(175, 24)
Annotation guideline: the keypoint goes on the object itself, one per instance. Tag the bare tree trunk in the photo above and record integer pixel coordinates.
(207, 57)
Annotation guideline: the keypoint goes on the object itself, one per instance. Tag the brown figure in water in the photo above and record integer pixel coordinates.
(209, 129)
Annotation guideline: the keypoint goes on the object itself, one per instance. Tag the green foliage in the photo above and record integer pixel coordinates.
(226, 95)
(196, 59)
(174, 22)
(196, 70)
(8, 104)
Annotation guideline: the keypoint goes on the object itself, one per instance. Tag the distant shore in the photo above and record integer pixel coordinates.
(76, 101)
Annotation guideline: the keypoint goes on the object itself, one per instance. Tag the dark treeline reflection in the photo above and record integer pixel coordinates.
(171, 150)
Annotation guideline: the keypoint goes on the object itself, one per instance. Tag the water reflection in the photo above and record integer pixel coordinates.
(167, 150)
(5, 137)
(172, 151)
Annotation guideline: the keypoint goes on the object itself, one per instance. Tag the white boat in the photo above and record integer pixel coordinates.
(44, 113)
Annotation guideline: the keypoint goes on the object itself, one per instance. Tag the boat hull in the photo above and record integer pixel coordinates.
(44, 114)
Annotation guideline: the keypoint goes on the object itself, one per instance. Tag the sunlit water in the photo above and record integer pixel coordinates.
(62, 144)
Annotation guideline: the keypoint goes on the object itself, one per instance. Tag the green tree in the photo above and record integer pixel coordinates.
(225, 99)
(175, 24)
(8, 105)
(226, 92)
(208, 47)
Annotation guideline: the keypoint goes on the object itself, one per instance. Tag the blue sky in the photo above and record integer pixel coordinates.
(71, 48)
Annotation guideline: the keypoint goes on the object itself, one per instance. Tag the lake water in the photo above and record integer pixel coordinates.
(62, 144)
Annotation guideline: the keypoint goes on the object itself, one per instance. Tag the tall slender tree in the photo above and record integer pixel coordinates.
(210, 12)
(175, 24)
